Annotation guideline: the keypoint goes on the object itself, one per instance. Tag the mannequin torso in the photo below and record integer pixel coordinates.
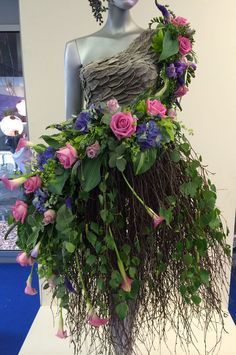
(118, 32)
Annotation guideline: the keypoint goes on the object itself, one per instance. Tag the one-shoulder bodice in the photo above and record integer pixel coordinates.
(124, 75)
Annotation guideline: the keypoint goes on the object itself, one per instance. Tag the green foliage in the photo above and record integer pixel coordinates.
(157, 41)
(90, 174)
(143, 161)
(122, 310)
(170, 46)
(54, 140)
(56, 184)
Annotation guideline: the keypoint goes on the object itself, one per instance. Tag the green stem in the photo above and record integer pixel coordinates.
(119, 261)
(82, 282)
(10, 229)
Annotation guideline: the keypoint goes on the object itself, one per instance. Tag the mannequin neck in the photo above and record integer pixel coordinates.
(119, 21)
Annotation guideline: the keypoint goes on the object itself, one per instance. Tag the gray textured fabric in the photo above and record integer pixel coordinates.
(123, 76)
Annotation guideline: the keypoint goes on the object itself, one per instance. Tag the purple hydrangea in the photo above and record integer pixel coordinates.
(40, 197)
(43, 157)
(82, 122)
(148, 135)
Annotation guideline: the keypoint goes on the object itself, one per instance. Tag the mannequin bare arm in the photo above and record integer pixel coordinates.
(73, 91)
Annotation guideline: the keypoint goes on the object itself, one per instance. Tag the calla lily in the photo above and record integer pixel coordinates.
(126, 284)
(24, 260)
(14, 183)
(23, 143)
(23, 159)
(155, 217)
(35, 251)
(96, 321)
(164, 11)
(29, 290)
(61, 333)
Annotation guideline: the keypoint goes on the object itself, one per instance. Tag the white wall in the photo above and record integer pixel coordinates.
(209, 108)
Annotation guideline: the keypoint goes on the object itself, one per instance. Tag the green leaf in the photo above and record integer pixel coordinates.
(170, 46)
(204, 276)
(132, 272)
(116, 279)
(95, 227)
(141, 106)
(175, 156)
(70, 247)
(53, 141)
(92, 238)
(101, 284)
(188, 259)
(121, 164)
(122, 310)
(166, 214)
(106, 119)
(196, 299)
(57, 184)
(126, 249)
(39, 148)
(64, 219)
(91, 259)
(89, 173)
(143, 161)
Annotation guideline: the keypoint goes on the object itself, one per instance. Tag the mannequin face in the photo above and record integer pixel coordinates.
(124, 4)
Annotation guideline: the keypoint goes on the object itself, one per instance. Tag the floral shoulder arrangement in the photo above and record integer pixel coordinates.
(120, 214)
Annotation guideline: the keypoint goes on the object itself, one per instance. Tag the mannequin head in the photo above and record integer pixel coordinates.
(98, 6)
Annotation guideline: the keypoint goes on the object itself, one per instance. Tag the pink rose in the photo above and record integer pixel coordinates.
(123, 125)
(24, 260)
(49, 217)
(19, 211)
(113, 105)
(93, 150)
(180, 21)
(185, 46)
(32, 184)
(181, 91)
(67, 156)
(155, 107)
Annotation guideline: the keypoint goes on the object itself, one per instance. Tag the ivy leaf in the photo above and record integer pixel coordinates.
(188, 259)
(196, 299)
(106, 119)
(143, 161)
(166, 214)
(57, 184)
(89, 173)
(92, 238)
(64, 219)
(91, 259)
(121, 164)
(54, 140)
(122, 310)
(170, 46)
(175, 156)
(204, 276)
(70, 247)
(116, 279)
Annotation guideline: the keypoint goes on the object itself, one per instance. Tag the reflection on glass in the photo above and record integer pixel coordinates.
(13, 123)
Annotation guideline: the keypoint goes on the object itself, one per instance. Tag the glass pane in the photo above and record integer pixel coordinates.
(13, 124)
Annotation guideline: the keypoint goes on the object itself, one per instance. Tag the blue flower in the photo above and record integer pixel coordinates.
(39, 200)
(43, 157)
(82, 121)
(148, 135)
(68, 202)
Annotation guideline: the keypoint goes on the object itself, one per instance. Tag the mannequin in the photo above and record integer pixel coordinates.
(116, 35)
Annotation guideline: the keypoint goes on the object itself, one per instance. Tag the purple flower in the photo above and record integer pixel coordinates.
(164, 11)
(180, 67)
(39, 200)
(148, 135)
(68, 202)
(43, 157)
(82, 121)
(69, 286)
(171, 71)
(181, 81)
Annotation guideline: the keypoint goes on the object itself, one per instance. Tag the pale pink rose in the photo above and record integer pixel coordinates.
(67, 156)
(93, 150)
(113, 105)
(185, 45)
(181, 91)
(19, 211)
(96, 321)
(14, 183)
(29, 290)
(49, 217)
(123, 125)
(155, 108)
(32, 184)
(126, 284)
(180, 21)
(171, 113)
(24, 260)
